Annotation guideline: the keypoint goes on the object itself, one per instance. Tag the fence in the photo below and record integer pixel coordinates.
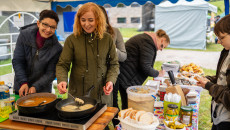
(7, 47)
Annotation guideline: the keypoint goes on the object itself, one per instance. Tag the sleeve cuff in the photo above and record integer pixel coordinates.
(23, 84)
(208, 85)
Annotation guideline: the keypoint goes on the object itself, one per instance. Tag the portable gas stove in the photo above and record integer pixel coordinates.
(53, 119)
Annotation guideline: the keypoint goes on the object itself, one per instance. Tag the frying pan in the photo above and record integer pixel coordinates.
(80, 113)
(33, 110)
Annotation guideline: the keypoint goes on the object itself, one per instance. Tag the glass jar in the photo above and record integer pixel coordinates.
(172, 112)
(162, 92)
(186, 115)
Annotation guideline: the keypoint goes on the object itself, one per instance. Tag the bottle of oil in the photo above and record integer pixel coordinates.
(5, 104)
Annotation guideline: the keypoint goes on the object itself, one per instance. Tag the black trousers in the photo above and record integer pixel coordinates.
(221, 126)
(115, 94)
(124, 102)
(124, 97)
(120, 87)
(115, 102)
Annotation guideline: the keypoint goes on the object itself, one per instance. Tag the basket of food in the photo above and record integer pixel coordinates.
(131, 119)
(191, 69)
(141, 98)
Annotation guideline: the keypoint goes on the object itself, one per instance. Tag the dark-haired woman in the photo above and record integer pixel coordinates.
(141, 54)
(36, 55)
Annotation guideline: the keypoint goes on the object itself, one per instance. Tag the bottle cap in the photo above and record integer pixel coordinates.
(174, 106)
(162, 88)
(2, 82)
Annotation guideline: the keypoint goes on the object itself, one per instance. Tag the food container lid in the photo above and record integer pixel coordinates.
(186, 108)
(174, 106)
(141, 91)
(162, 88)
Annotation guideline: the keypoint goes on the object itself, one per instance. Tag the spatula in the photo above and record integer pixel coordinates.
(77, 100)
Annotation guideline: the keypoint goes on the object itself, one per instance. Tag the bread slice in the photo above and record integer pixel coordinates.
(138, 114)
(146, 118)
(132, 114)
(122, 113)
(127, 113)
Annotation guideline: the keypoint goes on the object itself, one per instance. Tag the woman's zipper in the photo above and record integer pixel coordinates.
(35, 57)
(83, 84)
(103, 82)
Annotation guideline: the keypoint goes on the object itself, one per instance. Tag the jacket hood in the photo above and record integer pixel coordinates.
(30, 26)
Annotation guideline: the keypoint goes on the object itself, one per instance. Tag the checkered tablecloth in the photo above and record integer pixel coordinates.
(159, 112)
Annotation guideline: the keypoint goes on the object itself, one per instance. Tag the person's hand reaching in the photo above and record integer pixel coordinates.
(201, 81)
(32, 90)
(62, 87)
(24, 89)
(161, 73)
(108, 88)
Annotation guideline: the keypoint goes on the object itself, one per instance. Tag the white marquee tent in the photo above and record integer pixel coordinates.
(185, 22)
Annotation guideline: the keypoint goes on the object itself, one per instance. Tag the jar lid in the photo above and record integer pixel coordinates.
(186, 108)
(174, 106)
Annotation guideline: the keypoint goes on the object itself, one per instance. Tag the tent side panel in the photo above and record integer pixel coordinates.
(186, 29)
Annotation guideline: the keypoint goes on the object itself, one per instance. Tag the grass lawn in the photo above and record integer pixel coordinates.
(129, 32)
(220, 6)
(5, 69)
(209, 47)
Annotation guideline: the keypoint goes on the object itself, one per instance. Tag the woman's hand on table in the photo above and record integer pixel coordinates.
(108, 88)
(32, 90)
(24, 89)
(62, 87)
(201, 81)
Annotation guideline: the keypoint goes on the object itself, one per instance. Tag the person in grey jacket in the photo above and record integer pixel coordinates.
(121, 53)
(36, 55)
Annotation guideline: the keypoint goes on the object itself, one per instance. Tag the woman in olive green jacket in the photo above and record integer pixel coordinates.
(87, 49)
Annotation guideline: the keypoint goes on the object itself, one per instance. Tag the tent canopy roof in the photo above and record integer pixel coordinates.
(113, 3)
(189, 5)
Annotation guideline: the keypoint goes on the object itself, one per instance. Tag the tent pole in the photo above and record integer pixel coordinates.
(54, 6)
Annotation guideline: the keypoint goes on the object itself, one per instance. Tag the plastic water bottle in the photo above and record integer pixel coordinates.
(5, 104)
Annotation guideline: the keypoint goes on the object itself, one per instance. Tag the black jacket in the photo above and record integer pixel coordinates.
(36, 67)
(141, 55)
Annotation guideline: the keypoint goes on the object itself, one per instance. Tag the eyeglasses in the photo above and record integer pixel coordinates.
(45, 25)
(221, 38)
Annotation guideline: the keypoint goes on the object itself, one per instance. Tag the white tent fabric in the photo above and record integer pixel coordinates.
(23, 5)
(185, 22)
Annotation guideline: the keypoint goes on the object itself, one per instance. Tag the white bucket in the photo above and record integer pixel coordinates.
(141, 101)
